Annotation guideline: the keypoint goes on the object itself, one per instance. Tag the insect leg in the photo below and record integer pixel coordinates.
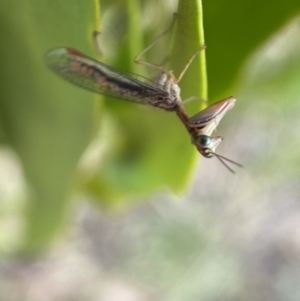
(193, 98)
(158, 67)
(178, 79)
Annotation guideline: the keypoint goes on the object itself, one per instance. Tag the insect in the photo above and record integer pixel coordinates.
(163, 93)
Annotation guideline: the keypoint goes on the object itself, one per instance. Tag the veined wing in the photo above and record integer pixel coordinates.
(95, 76)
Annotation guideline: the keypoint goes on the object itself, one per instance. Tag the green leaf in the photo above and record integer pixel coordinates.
(47, 121)
(155, 150)
(233, 30)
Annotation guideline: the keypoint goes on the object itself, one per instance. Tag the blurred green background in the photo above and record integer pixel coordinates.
(112, 192)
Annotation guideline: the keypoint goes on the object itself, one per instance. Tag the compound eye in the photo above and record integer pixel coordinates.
(203, 140)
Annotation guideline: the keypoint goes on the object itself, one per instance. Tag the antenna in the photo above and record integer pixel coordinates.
(222, 159)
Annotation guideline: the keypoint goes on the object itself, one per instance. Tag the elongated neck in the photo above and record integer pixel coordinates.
(184, 117)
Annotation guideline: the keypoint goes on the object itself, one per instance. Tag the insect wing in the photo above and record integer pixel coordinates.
(95, 76)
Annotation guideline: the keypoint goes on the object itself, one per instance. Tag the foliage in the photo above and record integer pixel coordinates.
(139, 150)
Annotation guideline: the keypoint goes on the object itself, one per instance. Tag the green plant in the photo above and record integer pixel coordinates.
(50, 123)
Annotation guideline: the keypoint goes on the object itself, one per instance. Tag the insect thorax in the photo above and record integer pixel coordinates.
(164, 81)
